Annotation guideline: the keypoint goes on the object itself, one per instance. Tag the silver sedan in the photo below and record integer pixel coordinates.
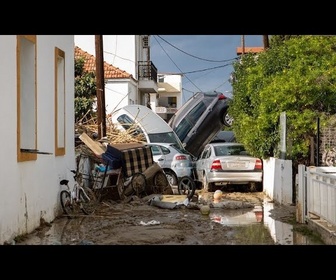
(222, 164)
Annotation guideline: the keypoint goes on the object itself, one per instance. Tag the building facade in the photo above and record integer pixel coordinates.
(37, 124)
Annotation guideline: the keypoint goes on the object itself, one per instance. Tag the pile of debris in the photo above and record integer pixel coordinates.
(120, 162)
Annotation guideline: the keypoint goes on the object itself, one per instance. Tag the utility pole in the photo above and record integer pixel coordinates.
(100, 83)
(266, 42)
(243, 43)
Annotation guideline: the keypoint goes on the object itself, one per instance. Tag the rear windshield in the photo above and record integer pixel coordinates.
(230, 150)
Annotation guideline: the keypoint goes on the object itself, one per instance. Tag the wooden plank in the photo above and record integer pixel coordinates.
(126, 146)
(97, 148)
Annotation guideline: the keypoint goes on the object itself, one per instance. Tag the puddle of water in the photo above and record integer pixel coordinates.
(281, 233)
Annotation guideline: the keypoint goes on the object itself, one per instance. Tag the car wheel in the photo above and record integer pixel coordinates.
(171, 177)
(227, 119)
(186, 186)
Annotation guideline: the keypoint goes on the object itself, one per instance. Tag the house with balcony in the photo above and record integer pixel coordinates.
(169, 97)
(135, 78)
(37, 124)
(118, 83)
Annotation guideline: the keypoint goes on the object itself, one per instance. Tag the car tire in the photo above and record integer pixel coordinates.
(171, 177)
(227, 120)
(186, 186)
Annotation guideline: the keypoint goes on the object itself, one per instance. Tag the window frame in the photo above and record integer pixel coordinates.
(60, 96)
(25, 153)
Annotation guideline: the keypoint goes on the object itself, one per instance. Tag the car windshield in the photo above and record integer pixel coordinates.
(167, 137)
(179, 149)
(230, 150)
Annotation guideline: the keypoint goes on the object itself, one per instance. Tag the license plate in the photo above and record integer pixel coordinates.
(236, 164)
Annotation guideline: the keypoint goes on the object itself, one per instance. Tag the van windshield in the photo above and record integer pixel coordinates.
(166, 137)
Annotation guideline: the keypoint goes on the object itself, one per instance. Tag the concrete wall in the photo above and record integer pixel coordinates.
(29, 191)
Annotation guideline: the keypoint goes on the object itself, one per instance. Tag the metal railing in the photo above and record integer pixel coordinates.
(147, 71)
(320, 192)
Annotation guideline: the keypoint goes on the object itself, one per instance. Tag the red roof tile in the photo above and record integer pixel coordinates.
(249, 50)
(110, 72)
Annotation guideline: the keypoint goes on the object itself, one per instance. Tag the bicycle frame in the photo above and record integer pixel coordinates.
(77, 196)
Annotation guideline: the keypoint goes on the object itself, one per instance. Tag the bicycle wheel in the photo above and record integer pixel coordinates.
(88, 201)
(67, 206)
(160, 182)
(186, 186)
(138, 183)
(171, 177)
(121, 187)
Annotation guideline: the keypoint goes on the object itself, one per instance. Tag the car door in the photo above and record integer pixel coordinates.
(201, 162)
(159, 155)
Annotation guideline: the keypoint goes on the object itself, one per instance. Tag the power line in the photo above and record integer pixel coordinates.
(207, 69)
(204, 59)
(176, 64)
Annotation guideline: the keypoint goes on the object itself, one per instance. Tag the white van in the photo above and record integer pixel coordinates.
(143, 120)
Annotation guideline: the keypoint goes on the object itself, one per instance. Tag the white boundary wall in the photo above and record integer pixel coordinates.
(278, 180)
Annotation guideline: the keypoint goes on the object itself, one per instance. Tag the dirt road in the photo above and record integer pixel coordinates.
(138, 222)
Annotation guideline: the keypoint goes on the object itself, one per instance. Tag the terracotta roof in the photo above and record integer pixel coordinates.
(110, 72)
(249, 50)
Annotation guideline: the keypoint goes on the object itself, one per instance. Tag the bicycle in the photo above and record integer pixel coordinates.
(78, 198)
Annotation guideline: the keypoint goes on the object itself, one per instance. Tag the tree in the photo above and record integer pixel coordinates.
(296, 75)
(85, 92)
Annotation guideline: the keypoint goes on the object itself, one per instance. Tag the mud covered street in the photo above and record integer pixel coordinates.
(136, 222)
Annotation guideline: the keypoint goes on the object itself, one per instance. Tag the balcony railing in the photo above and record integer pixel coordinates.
(147, 71)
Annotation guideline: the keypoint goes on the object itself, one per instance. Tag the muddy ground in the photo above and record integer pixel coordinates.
(138, 221)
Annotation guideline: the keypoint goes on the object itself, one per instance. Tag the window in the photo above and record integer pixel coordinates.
(183, 129)
(196, 112)
(161, 78)
(129, 125)
(165, 137)
(165, 150)
(155, 150)
(59, 102)
(26, 98)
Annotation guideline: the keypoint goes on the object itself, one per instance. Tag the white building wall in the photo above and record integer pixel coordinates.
(175, 81)
(119, 94)
(30, 190)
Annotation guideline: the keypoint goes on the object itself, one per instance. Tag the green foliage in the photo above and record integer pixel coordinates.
(79, 66)
(85, 92)
(296, 75)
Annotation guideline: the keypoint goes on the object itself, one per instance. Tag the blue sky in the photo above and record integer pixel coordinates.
(191, 53)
